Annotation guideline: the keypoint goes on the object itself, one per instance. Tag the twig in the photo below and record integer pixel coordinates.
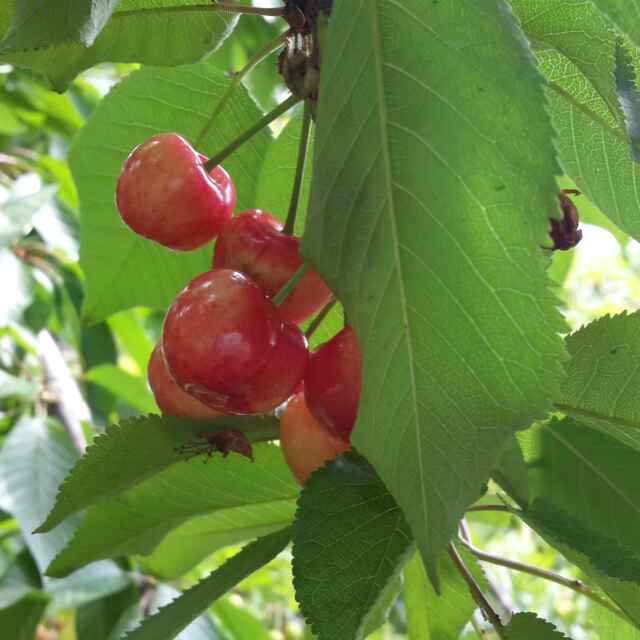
(69, 401)
(475, 591)
(575, 585)
(319, 319)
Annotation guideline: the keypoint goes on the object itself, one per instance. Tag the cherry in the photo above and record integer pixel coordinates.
(165, 194)
(253, 243)
(305, 443)
(171, 399)
(333, 382)
(219, 332)
(278, 379)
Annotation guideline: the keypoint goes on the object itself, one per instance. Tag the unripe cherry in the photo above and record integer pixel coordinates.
(171, 399)
(305, 443)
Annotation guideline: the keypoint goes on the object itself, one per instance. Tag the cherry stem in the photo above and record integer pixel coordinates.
(238, 77)
(299, 177)
(319, 319)
(575, 585)
(283, 294)
(265, 121)
(476, 592)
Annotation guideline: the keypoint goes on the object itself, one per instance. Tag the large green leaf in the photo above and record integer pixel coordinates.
(156, 32)
(43, 23)
(131, 452)
(439, 617)
(593, 146)
(602, 376)
(122, 269)
(240, 624)
(192, 542)
(625, 13)
(527, 626)
(171, 619)
(350, 542)
(96, 620)
(138, 519)
(580, 32)
(132, 390)
(433, 183)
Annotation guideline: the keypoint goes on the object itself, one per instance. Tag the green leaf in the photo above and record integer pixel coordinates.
(129, 453)
(155, 507)
(128, 327)
(602, 374)
(19, 622)
(439, 617)
(146, 31)
(171, 619)
(593, 147)
(423, 225)
(96, 620)
(629, 96)
(123, 269)
(625, 14)
(190, 543)
(527, 626)
(239, 623)
(21, 578)
(130, 389)
(34, 459)
(19, 212)
(608, 625)
(43, 23)
(12, 386)
(578, 31)
(350, 541)
(511, 473)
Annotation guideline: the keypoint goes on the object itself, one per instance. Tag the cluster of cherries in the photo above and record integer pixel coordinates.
(226, 348)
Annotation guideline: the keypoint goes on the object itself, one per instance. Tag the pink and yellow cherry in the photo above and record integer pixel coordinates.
(333, 382)
(164, 193)
(253, 243)
(171, 399)
(305, 443)
(219, 332)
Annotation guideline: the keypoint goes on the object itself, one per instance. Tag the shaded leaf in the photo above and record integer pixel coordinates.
(130, 389)
(511, 473)
(629, 96)
(19, 622)
(350, 542)
(12, 386)
(625, 14)
(404, 213)
(171, 619)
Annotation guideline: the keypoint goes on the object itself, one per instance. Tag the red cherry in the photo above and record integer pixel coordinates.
(278, 379)
(171, 399)
(333, 382)
(253, 243)
(305, 443)
(219, 332)
(165, 194)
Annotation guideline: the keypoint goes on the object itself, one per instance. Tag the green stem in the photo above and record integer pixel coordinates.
(247, 135)
(319, 319)
(283, 294)
(238, 77)
(229, 7)
(476, 592)
(299, 177)
(575, 585)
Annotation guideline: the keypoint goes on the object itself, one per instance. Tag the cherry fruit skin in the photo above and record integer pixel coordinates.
(164, 193)
(171, 399)
(333, 383)
(278, 379)
(305, 443)
(219, 332)
(253, 243)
